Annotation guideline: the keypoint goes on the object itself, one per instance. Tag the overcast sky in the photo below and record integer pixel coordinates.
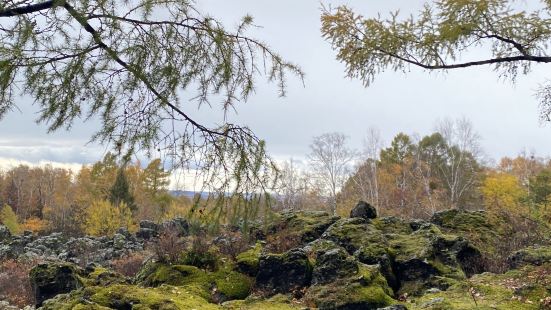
(505, 115)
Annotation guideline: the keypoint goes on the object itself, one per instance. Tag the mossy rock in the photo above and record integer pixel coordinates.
(276, 302)
(517, 289)
(49, 280)
(101, 276)
(354, 233)
(284, 273)
(222, 285)
(367, 289)
(301, 227)
(534, 255)
(392, 225)
(120, 296)
(247, 262)
(473, 225)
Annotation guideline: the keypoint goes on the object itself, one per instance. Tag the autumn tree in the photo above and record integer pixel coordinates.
(104, 218)
(330, 159)
(440, 38)
(9, 219)
(128, 64)
(503, 195)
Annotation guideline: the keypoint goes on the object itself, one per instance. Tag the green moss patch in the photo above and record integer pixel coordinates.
(247, 262)
(129, 297)
(517, 289)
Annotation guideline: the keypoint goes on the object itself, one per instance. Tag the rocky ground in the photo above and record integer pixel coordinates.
(303, 260)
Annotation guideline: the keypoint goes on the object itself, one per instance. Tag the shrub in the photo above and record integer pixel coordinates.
(169, 247)
(232, 243)
(104, 218)
(199, 254)
(15, 283)
(35, 225)
(131, 264)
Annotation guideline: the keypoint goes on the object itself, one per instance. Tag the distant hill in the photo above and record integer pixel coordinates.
(188, 194)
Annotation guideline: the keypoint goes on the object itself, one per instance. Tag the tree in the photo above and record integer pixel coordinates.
(120, 192)
(330, 160)
(103, 218)
(155, 178)
(503, 194)
(128, 64)
(459, 171)
(9, 219)
(440, 37)
(291, 185)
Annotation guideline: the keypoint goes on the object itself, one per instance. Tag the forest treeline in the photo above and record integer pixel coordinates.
(414, 177)
(96, 200)
(411, 177)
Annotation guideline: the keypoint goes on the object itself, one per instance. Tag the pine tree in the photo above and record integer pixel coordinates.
(120, 191)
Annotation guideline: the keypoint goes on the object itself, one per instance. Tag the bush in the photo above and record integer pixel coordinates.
(232, 243)
(199, 254)
(104, 219)
(169, 247)
(131, 264)
(15, 284)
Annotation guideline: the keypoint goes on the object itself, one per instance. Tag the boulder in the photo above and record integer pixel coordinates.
(333, 264)
(365, 288)
(533, 255)
(146, 233)
(5, 234)
(284, 273)
(49, 280)
(149, 225)
(247, 262)
(364, 210)
(178, 225)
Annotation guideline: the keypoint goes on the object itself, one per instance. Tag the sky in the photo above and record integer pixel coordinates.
(504, 114)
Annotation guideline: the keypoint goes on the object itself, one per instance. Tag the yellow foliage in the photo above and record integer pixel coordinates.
(103, 218)
(9, 219)
(503, 194)
(35, 225)
(176, 209)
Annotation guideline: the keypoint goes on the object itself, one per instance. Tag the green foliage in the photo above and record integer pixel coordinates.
(120, 192)
(9, 219)
(130, 72)
(440, 36)
(540, 187)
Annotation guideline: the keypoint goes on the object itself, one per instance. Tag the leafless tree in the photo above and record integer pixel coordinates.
(330, 160)
(291, 185)
(462, 156)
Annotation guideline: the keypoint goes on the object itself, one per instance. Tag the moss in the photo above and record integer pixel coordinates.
(392, 225)
(277, 302)
(130, 297)
(247, 262)
(354, 233)
(534, 255)
(102, 276)
(232, 285)
(474, 225)
(367, 289)
(517, 289)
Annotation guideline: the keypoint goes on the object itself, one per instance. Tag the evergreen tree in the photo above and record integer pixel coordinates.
(120, 191)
